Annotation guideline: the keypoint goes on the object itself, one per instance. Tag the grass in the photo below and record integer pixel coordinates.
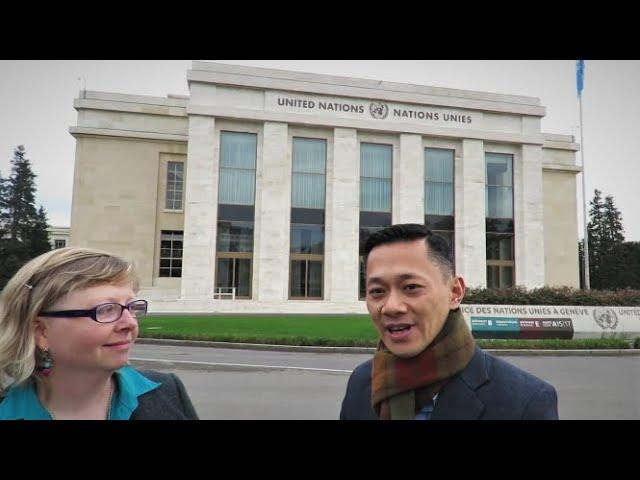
(325, 330)
(320, 330)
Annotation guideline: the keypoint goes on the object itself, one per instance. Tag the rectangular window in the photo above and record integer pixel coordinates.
(439, 193)
(438, 181)
(308, 180)
(236, 197)
(235, 236)
(307, 218)
(238, 153)
(307, 239)
(175, 185)
(171, 253)
(60, 243)
(306, 278)
(365, 233)
(499, 221)
(499, 261)
(234, 272)
(499, 181)
(375, 177)
(376, 162)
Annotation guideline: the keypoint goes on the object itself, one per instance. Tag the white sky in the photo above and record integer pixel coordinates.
(36, 109)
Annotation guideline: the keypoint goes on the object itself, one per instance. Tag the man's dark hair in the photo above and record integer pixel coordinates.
(438, 248)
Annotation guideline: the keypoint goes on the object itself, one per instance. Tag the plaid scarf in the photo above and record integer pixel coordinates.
(401, 387)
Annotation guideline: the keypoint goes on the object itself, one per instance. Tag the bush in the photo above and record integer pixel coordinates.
(552, 296)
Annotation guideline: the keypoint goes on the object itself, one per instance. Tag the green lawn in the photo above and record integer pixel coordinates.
(323, 330)
(343, 330)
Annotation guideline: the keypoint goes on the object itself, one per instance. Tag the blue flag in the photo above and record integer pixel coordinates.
(580, 76)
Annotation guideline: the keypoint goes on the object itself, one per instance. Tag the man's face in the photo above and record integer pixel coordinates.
(408, 296)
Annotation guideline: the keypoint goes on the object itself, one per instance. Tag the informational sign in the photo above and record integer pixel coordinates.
(551, 321)
(523, 328)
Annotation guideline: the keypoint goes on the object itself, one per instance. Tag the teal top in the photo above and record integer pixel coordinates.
(21, 401)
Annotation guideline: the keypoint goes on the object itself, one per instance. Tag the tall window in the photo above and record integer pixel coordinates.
(175, 185)
(307, 218)
(375, 195)
(438, 192)
(171, 253)
(499, 220)
(236, 197)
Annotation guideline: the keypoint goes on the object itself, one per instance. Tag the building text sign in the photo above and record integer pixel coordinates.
(551, 321)
(376, 110)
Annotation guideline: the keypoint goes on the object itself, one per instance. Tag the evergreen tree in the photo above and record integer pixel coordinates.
(595, 231)
(581, 262)
(609, 263)
(3, 189)
(23, 228)
(20, 195)
(612, 230)
(621, 267)
(38, 238)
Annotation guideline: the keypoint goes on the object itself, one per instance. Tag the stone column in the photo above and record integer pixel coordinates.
(470, 231)
(528, 219)
(200, 211)
(273, 213)
(408, 181)
(342, 218)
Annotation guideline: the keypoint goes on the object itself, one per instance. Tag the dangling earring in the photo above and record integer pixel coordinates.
(46, 363)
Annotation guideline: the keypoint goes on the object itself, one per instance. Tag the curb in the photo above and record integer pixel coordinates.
(153, 363)
(301, 348)
(253, 346)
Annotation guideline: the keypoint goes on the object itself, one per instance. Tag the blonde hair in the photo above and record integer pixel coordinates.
(37, 286)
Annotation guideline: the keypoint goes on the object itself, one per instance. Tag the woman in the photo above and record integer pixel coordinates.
(68, 319)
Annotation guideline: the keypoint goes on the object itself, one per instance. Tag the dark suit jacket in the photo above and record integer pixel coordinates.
(167, 402)
(487, 389)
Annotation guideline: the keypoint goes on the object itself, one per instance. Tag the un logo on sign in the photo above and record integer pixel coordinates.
(379, 110)
(606, 318)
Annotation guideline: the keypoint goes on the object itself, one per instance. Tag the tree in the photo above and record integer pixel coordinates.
(23, 228)
(3, 189)
(621, 267)
(606, 236)
(38, 239)
(595, 233)
(612, 230)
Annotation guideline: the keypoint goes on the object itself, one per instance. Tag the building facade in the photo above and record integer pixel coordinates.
(257, 191)
(58, 236)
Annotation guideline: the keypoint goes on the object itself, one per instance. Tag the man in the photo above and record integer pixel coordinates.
(427, 365)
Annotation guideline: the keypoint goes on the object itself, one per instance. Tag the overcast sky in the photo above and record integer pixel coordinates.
(36, 110)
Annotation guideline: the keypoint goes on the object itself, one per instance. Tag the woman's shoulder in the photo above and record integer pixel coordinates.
(159, 377)
(159, 383)
(168, 401)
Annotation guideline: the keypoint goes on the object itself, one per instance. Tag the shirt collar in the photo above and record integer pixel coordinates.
(131, 385)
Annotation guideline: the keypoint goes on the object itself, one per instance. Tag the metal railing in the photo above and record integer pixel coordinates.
(221, 292)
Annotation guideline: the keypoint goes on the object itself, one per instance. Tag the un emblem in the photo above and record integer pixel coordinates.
(606, 318)
(379, 110)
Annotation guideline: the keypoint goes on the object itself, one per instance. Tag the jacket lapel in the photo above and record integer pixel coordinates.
(458, 400)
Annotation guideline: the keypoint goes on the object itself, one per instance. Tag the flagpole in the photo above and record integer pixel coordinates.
(585, 248)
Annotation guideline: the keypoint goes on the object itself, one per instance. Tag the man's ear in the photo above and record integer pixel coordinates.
(40, 332)
(457, 292)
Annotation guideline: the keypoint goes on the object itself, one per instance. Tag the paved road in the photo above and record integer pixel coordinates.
(331, 361)
(588, 387)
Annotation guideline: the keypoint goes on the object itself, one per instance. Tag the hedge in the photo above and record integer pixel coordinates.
(552, 296)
